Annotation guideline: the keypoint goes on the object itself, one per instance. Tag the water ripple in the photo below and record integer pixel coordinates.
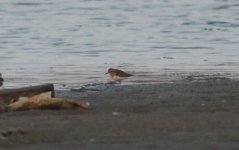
(31, 4)
(222, 24)
(191, 47)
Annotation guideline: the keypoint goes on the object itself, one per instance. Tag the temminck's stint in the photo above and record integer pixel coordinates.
(117, 75)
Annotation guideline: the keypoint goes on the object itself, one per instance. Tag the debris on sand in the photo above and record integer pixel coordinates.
(36, 97)
(7, 133)
(45, 101)
(12, 95)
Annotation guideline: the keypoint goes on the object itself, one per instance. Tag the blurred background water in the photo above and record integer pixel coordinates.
(74, 42)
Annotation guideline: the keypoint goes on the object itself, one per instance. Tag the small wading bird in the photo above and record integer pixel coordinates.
(117, 75)
(1, 80)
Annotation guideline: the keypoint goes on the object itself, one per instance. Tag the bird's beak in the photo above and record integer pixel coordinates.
(106, 72)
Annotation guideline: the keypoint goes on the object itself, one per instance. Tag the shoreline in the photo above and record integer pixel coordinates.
(180, 115)
(67, 82)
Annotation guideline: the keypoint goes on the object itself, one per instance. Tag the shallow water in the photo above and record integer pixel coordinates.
(74, 42)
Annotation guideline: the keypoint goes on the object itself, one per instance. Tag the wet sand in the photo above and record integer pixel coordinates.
(188, 115)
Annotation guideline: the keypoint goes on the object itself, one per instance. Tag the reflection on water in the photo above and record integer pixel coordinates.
(74, 42)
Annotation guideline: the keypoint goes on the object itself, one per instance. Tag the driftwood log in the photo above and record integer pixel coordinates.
(11, 95)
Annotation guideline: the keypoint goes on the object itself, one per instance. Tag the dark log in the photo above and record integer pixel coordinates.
(11, 95)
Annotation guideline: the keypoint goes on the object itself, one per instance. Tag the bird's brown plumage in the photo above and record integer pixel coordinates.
(117, 74)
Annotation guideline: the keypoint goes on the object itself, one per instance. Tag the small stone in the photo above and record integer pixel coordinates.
(2, 137)
(92, 140)
(115, 113)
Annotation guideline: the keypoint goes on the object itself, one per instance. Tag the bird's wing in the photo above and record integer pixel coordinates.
(120, 72)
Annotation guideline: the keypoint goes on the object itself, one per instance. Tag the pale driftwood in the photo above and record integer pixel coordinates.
(10, 95)
(45, 101)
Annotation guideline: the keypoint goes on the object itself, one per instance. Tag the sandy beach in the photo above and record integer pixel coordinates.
(184, 115)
